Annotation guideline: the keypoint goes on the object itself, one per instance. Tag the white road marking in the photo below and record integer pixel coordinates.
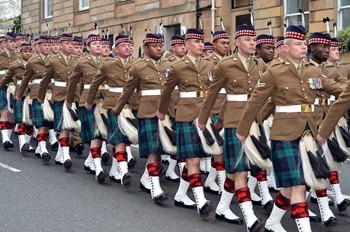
(9, 167)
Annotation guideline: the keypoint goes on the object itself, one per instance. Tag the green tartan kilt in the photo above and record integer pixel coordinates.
(114, 135)
(87, 119)
(287, 163)
(58, 109)
(3, 99)
(17, 111)
(148, 132)
(36, 113)
(188, 144)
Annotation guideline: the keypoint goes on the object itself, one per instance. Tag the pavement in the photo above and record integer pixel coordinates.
(44, 197)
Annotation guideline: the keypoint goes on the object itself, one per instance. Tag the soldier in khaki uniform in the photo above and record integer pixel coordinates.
(35, 69)
(78, 46)
(147, 75)
(208, 49)
(58, 70)
(2, 43)
(16, 73)
(192, 76)
(114, 73)
(55, 45)
(238, 74)
(83, 74)
(292, 86)
(7, 56)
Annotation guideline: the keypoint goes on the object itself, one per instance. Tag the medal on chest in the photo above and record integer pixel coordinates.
(315, 83)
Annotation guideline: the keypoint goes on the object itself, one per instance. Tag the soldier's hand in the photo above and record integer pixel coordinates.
(218, 124)
(241, 138)
(321, 140)
(18, 99)
(88, 106)
(201, 126)
(68, 105)
(114, 111)
(40, 101)
(160, 116)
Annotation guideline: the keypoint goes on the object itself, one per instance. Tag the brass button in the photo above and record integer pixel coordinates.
(124, 70)
(287, 87)
(303, 89)
(200, 86)
(302, 82)
(305, 97)
(199, 75)
(234, 81)
(248, 74)
(250, 89)
(249, 82)
(67, 67)
(158, 73)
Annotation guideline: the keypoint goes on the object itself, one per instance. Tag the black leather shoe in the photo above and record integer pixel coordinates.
(68, 164)
(127, 180)
(238, 221)
(113, 179)
(256, 203)
(204, 173)
(105, 158)
(182, 204)
(54, 146)
(331, 222)
(209, 190)
(79, 149)
(160, 198)
(206, 209)
(315, 218)
(31, 149)
(177, 180)
(58, 163)
(88, 169)
(268, 206)
(7, 145)
(343, 205)
(132, 163)
(102, 176)
(143, 188)
(257, 226)
(45, 157)
(11, 144)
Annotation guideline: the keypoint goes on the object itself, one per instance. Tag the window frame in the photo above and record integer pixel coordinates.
(286, 16)
(81, 8)
(340, 14)
(235, 7)
(46, 13)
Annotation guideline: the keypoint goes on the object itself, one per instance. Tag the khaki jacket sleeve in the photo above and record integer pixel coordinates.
(99, 78)
(266, 111)
(256, 101)
(169, 86)
(48, 74)
(73, 83)
(9, 74)
(26, 79)
(219, 81)
(330, 86)
(337, 110)
(131, 84)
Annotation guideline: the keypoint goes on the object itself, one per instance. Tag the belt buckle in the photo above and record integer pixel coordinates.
(306, 108)
(201, 93)
(323, 102)
(101, 87)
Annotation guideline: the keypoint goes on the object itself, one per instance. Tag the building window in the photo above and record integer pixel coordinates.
(241, 3)
(343, 13)
(243, 19)
(83, 4)
(292, 16)
(47, 9)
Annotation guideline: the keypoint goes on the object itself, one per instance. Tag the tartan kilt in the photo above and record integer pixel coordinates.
(36, 113)
(287, 163)
(114, 135)
(3, 99)
(148, 132)
(87, 119)
(188, 143)
(58, 112)
(17, 111)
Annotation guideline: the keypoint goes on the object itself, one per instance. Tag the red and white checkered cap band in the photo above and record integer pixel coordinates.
(294, 35)
(194, 36)
(2, 39)
(219, 36)
(177, 41)
(93, 38)
(154, 40)
(279, 43)
(335, 44)
(65, 39)
(319, 41)
(9, 37)
(75, 43)
(103, 42)
(122, 40)
(25, 48)
(265, 41)
(208, 48)
(21, 37)
(43, 41)
(245, 32)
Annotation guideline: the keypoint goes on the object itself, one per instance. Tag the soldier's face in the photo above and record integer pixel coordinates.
(10, 44)
(123, 50)
(208, 53)
(78, 50)
(94, 48)
(2, 44)
(26, 54)
(66, 47)
(246, 45)
(54, 48)
(44, 48)
(105, 50)
(320, 51)
(281, 51)
(266, 52)
(296, 49)
(179, 50)
(334, 54)
(222, 46)
(20, 41)
(194, 47)
(154, 50)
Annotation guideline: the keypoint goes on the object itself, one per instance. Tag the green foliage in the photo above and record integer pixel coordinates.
(344, 39)
(17, 24)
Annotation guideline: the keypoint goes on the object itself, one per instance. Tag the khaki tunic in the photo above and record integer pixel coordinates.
(15, 73)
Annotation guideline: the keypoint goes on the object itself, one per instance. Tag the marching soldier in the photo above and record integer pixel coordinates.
(238, 74)
(148, 76)
(83, 74)
(16, 73)
(293, 93)
(34, 72)
(7, 56)
(114, 73)
(78, 46)
(265, 47)
(280, 50)
(208, 49)
(55, 45)
(2, 43)
(191, 75)
(58, 70)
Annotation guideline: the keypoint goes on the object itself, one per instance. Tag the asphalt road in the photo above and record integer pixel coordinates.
(41, 197)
